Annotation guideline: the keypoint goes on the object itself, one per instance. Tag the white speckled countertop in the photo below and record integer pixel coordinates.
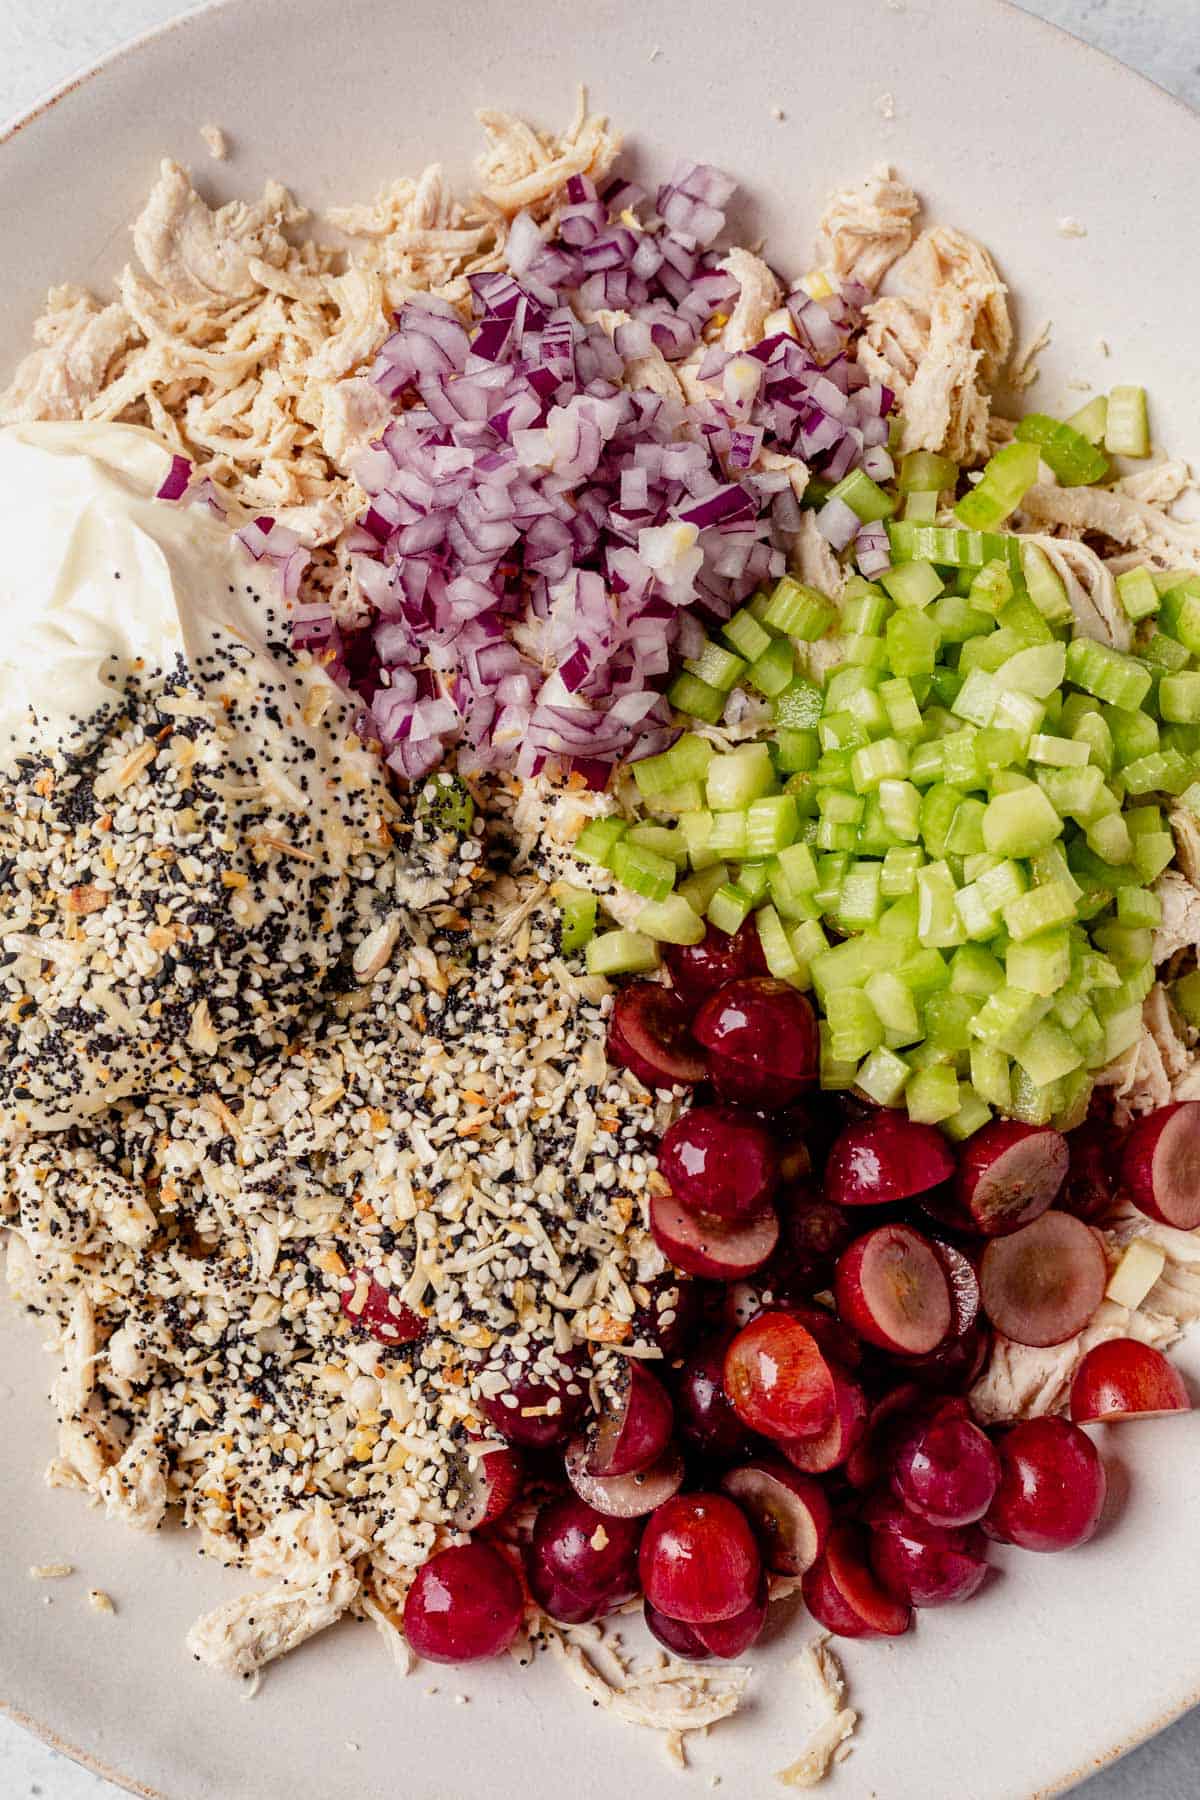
(44, 41)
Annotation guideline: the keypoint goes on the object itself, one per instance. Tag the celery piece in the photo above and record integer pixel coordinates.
(947, 1019)
(938, 809)
(1138, 594)
(1008, 1016)
(912, 583)
(577, 915)
(1099, 670)
(863, 651)
(965, 837)
(945, 683)
(938, 923)
(1048, 1054)
(958, 620)
(1127, 945)
(1091, 419)
(850, 963)
(771, 824)
(736, 779)
(1005, 881)
(1127, 429)
(854, 1026)
(621, 953)
(778, 953)
(688, 798)
(961, 762)
(1078, 793)
(796, 752)
(1074, 1100)
(1179, 698)
(894, 1006)
(1134, 734)
(842, 731)
(990, 1076)
(976, 971)
(1165, 653)
(729, 908)
(773, 671)
(719, 667)
(1040, 910)
(973, 1113)
(874, 837)
(1180, 614)
(696, 828)
(663, 840)
(746, 636)
(1137, 906)
(865, 616)
(800, 705)
(1058, 752)
(882, 1076)
(1044, 585)
(924, 972)
(922, 509)
(926, 764)
(1022, 618)
(884, 760)
(863, 496)
(1032, 1104)
(859, 902)
(1093, 733)
(727, 837)
(900, 803)
(831, 870)
(598, 840)
(1006, 479)
(688, 694)
(671, 921)
(980, 921)
(754, 878)
(1019, 713)
(912, 643)
(643, 870)
(1039, 964)
(1037, 670)
(1109, 838)
(1186, 995)
(1020, 823)
(808, 941)
(1164, 770)
(1151, 854)
(798, 610)
(1066, 452)
(922, 472)
(947, 545)
(898, 924)
(932, 1094)
(655, 776)
(834, 1072)
(798, 867)
(992, 587)
(1142, 820)
(977, 698)
(698, 889)
(900, 704)
(1051, 865)
(900, 870)
(840, 808)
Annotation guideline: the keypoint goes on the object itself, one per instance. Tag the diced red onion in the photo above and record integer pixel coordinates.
(176, 479)
(871, 551)
(838, 524)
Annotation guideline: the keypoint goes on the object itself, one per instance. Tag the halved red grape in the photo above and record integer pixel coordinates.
(698, 970)
(1042, 1284)
(889, 1419)
(542, 1401)
(1160, 1164)
(705, 1246)
(624, 1496)
(1125, 1379)
(650, 1034)
(702, 1411)
(699, 1561)
(886, 1157)
(777, 1380)
(892, 1288)
(581, 1563)
(843, 1595)
(762, 1043)
(744, 1300)
(946, 1469)
(635, 1429)
(957, 1364)
(1094, 1168)
(378, 1311)
(833, 1446)
(963, 1277)
(788, 1512)
(464, 1603)
(719, 1161)
(1052, 1486)
(921, 1564)
(815, 1232)
(724, 1638)
(488, 1478)
(1010, 1173)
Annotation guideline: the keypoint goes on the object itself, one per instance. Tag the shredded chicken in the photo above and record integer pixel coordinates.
(1179, 928)
(866, 227)
(941, 342)
(1091, 589)
(134, 1489)
(828, 1743)
(1135, 514)
(81, 340)
(663, 1695)
(759, 293)
(243, 1635)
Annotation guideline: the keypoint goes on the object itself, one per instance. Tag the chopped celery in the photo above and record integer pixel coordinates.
(688, 694)
(1057, 752)
(1179, 698)
(990, 1076)
(1137, 906)
(1127, 429)
(1138, 594)
(1066, 452)
(621, 953)
(992, 587)
(1039, 964)
(598, 840)
(900, 806)
(854, 1026)
(1032, 1104)
(860, 903)
(1045, 586)
(1007, 1016)
(671, 921)
(800, 705)
(773, 670)
(643, 870)
(912, 643)
(796, 752)
(895, 1007)
(798, 610)
(1108, 674)
(912, 583)
(900, 703)
(716, 666)
(771, 825)
(697, 827)
(932, 1094)
(977, 698)
(1020, 823)
(834, 1073)
(949, 545)
(1074, 1100)
(1091, 419)
(1040, 910)
(778, 953)
(921, 472)
(882, 1076)
(699, 888)
(1048, 1053)
(900, 867)
(863, 496)
(741, 776)
(884, 760)
(729, 908)
(577, 915)
(1186, 995)
(1037, 670)
(1006, 479)
(974, 970)
(746, 635)
(663, 840)
(939, 925)
(753, 879)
